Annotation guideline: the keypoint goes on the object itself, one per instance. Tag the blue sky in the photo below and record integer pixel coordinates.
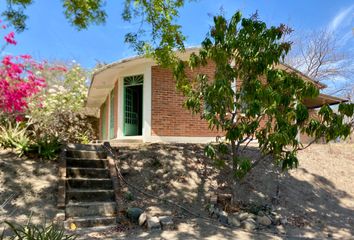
(50, 36)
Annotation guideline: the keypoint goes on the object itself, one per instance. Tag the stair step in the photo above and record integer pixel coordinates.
(86, 154)
(89, 183)
(86, 163)
(82, 209)
(89, 195)
(85, 147)
(76, 172)
(86, 222)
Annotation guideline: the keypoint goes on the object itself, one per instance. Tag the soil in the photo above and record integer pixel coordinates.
(27, 189)
(316, 200)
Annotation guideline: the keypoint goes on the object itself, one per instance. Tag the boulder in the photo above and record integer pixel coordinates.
(166, 222)
(142, 219)
(249, 225)
(264, 220)
(133, 214)
(233, 221)
(153, 224)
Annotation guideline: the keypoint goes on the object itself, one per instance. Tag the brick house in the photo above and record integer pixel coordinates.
(138, 100)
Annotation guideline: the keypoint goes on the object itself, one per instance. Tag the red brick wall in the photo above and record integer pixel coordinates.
(168, 117)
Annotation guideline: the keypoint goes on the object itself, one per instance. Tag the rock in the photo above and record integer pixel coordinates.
(134, 213)
(251, 216)
(233, 221)
(264, 220)
(223, 219)
(283, 221)
(224, 199)
(142, 219)
(166, 222)
(249, 225)
(243, 216)
(153, 223)
(280, 229)
(213, 199)
(260, 213)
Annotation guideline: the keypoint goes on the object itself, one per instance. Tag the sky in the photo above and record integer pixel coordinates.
(50, 37)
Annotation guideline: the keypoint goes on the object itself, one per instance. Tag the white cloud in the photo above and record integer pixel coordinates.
(340, 18)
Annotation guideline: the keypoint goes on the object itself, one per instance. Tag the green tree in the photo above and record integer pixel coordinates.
(164, 35)
(248, 88)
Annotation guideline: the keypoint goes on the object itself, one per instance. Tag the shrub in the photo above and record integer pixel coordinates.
(15, 136)
(47, 147)
(43, 232)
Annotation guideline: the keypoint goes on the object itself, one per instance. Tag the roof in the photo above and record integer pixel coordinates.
(104, 78)
(322, 99)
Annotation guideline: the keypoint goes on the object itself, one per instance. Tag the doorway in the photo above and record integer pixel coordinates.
(133, 105)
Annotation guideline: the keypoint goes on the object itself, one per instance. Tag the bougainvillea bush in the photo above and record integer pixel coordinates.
(20, 80)
(45, 101)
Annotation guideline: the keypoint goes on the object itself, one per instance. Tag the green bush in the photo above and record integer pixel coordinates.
(15, 136)
(36, 232)
(47, 147)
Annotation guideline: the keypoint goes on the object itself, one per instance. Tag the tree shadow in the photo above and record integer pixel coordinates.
(311, 204)
(27, 190)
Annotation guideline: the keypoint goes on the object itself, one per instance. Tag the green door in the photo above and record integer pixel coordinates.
(131, 117)
(111, 115)
(104, 122)
(133, 105)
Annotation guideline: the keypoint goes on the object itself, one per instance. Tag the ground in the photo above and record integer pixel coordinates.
(316, 199)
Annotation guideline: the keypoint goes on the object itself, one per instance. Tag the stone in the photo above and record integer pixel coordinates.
(211, 209)
(166, 222)
(243, 216)
(249, 225)
(224, 199)
(60, 216)
(233, 221)
(223, 219)
(280, 229)
(260, 213)
(153, 224)
(134, 213)
(142, 219)
(283, 221)
(264, 220)
(213, 199)
(251, 216)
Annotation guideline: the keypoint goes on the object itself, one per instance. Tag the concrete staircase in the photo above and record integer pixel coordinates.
(89, 193)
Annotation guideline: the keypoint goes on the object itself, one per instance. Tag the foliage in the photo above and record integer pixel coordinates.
(67, 126)
(44, 232)
(248, 88)
(62, 115)
(15, 136)
(160, 15)
(47, 147)
(19, 81)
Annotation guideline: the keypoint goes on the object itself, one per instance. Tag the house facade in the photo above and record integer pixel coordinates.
(138, 100)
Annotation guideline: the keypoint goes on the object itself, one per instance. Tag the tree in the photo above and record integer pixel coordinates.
(160, 15)
(318, 55)
(248, 88)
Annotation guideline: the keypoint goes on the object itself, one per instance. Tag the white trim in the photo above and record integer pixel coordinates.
(147, 103)
(172, 139)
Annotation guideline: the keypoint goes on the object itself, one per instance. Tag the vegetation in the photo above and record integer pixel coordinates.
(44, 232)
(248, 88)
(41, 104)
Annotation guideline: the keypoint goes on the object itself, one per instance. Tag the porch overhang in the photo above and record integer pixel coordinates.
(323, 99)
(103, 79)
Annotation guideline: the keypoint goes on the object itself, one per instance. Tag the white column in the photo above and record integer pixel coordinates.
(147, 103)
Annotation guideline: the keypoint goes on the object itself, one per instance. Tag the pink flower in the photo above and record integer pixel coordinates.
(10, 38)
